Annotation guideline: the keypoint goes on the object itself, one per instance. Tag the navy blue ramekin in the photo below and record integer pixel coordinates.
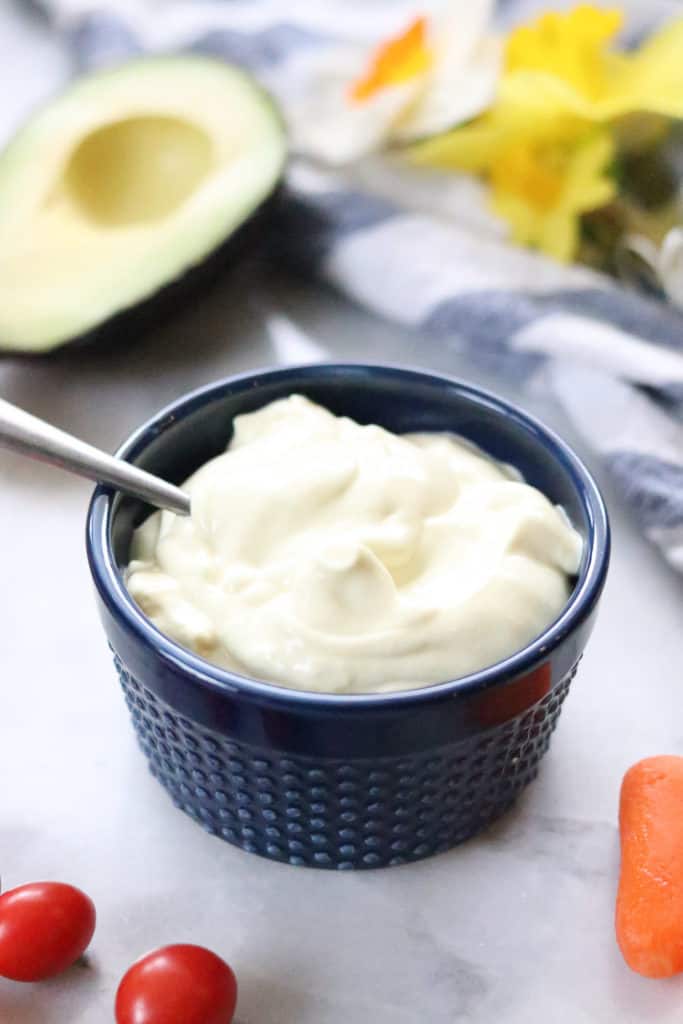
(340, 781)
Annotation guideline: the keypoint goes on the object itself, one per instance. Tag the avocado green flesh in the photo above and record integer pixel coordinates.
(124, 184)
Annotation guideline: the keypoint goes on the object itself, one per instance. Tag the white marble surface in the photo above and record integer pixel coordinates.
(514, 926)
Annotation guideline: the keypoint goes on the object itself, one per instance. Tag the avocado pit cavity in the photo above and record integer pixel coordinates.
(137, 170)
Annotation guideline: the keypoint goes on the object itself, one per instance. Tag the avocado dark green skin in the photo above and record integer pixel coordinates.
(125, 327)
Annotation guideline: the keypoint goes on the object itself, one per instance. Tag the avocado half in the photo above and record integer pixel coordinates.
(117, 195)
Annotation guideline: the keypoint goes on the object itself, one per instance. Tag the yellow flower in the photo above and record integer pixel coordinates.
(542, 175)
(541, 189)
(475, 147)
(562, 63)
(570, 45)
(546, 143)
(558, 76)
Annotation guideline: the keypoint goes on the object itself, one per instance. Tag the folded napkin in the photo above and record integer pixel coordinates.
(420, 248)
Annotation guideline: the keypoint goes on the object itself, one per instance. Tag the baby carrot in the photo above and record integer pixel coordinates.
(649, 919)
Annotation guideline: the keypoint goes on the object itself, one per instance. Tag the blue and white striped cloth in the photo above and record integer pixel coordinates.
(422, 251)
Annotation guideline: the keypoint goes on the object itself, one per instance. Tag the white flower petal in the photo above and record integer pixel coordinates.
(453, 94)
(326, 124)
(339, 133)
(458, 29)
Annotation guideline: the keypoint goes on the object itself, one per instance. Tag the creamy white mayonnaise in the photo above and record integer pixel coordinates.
(325, 555)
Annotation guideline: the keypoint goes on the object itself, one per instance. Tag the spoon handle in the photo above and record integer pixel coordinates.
(34, 437)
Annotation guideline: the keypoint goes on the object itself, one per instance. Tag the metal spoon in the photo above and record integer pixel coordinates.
(39, 440)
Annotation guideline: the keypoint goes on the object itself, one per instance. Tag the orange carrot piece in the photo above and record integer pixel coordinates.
(649, 918)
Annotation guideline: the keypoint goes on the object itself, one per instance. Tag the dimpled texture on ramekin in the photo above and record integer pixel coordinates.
(328, 813)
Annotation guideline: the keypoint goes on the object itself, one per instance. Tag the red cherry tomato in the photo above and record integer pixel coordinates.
(177, 985)
(44, 928)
